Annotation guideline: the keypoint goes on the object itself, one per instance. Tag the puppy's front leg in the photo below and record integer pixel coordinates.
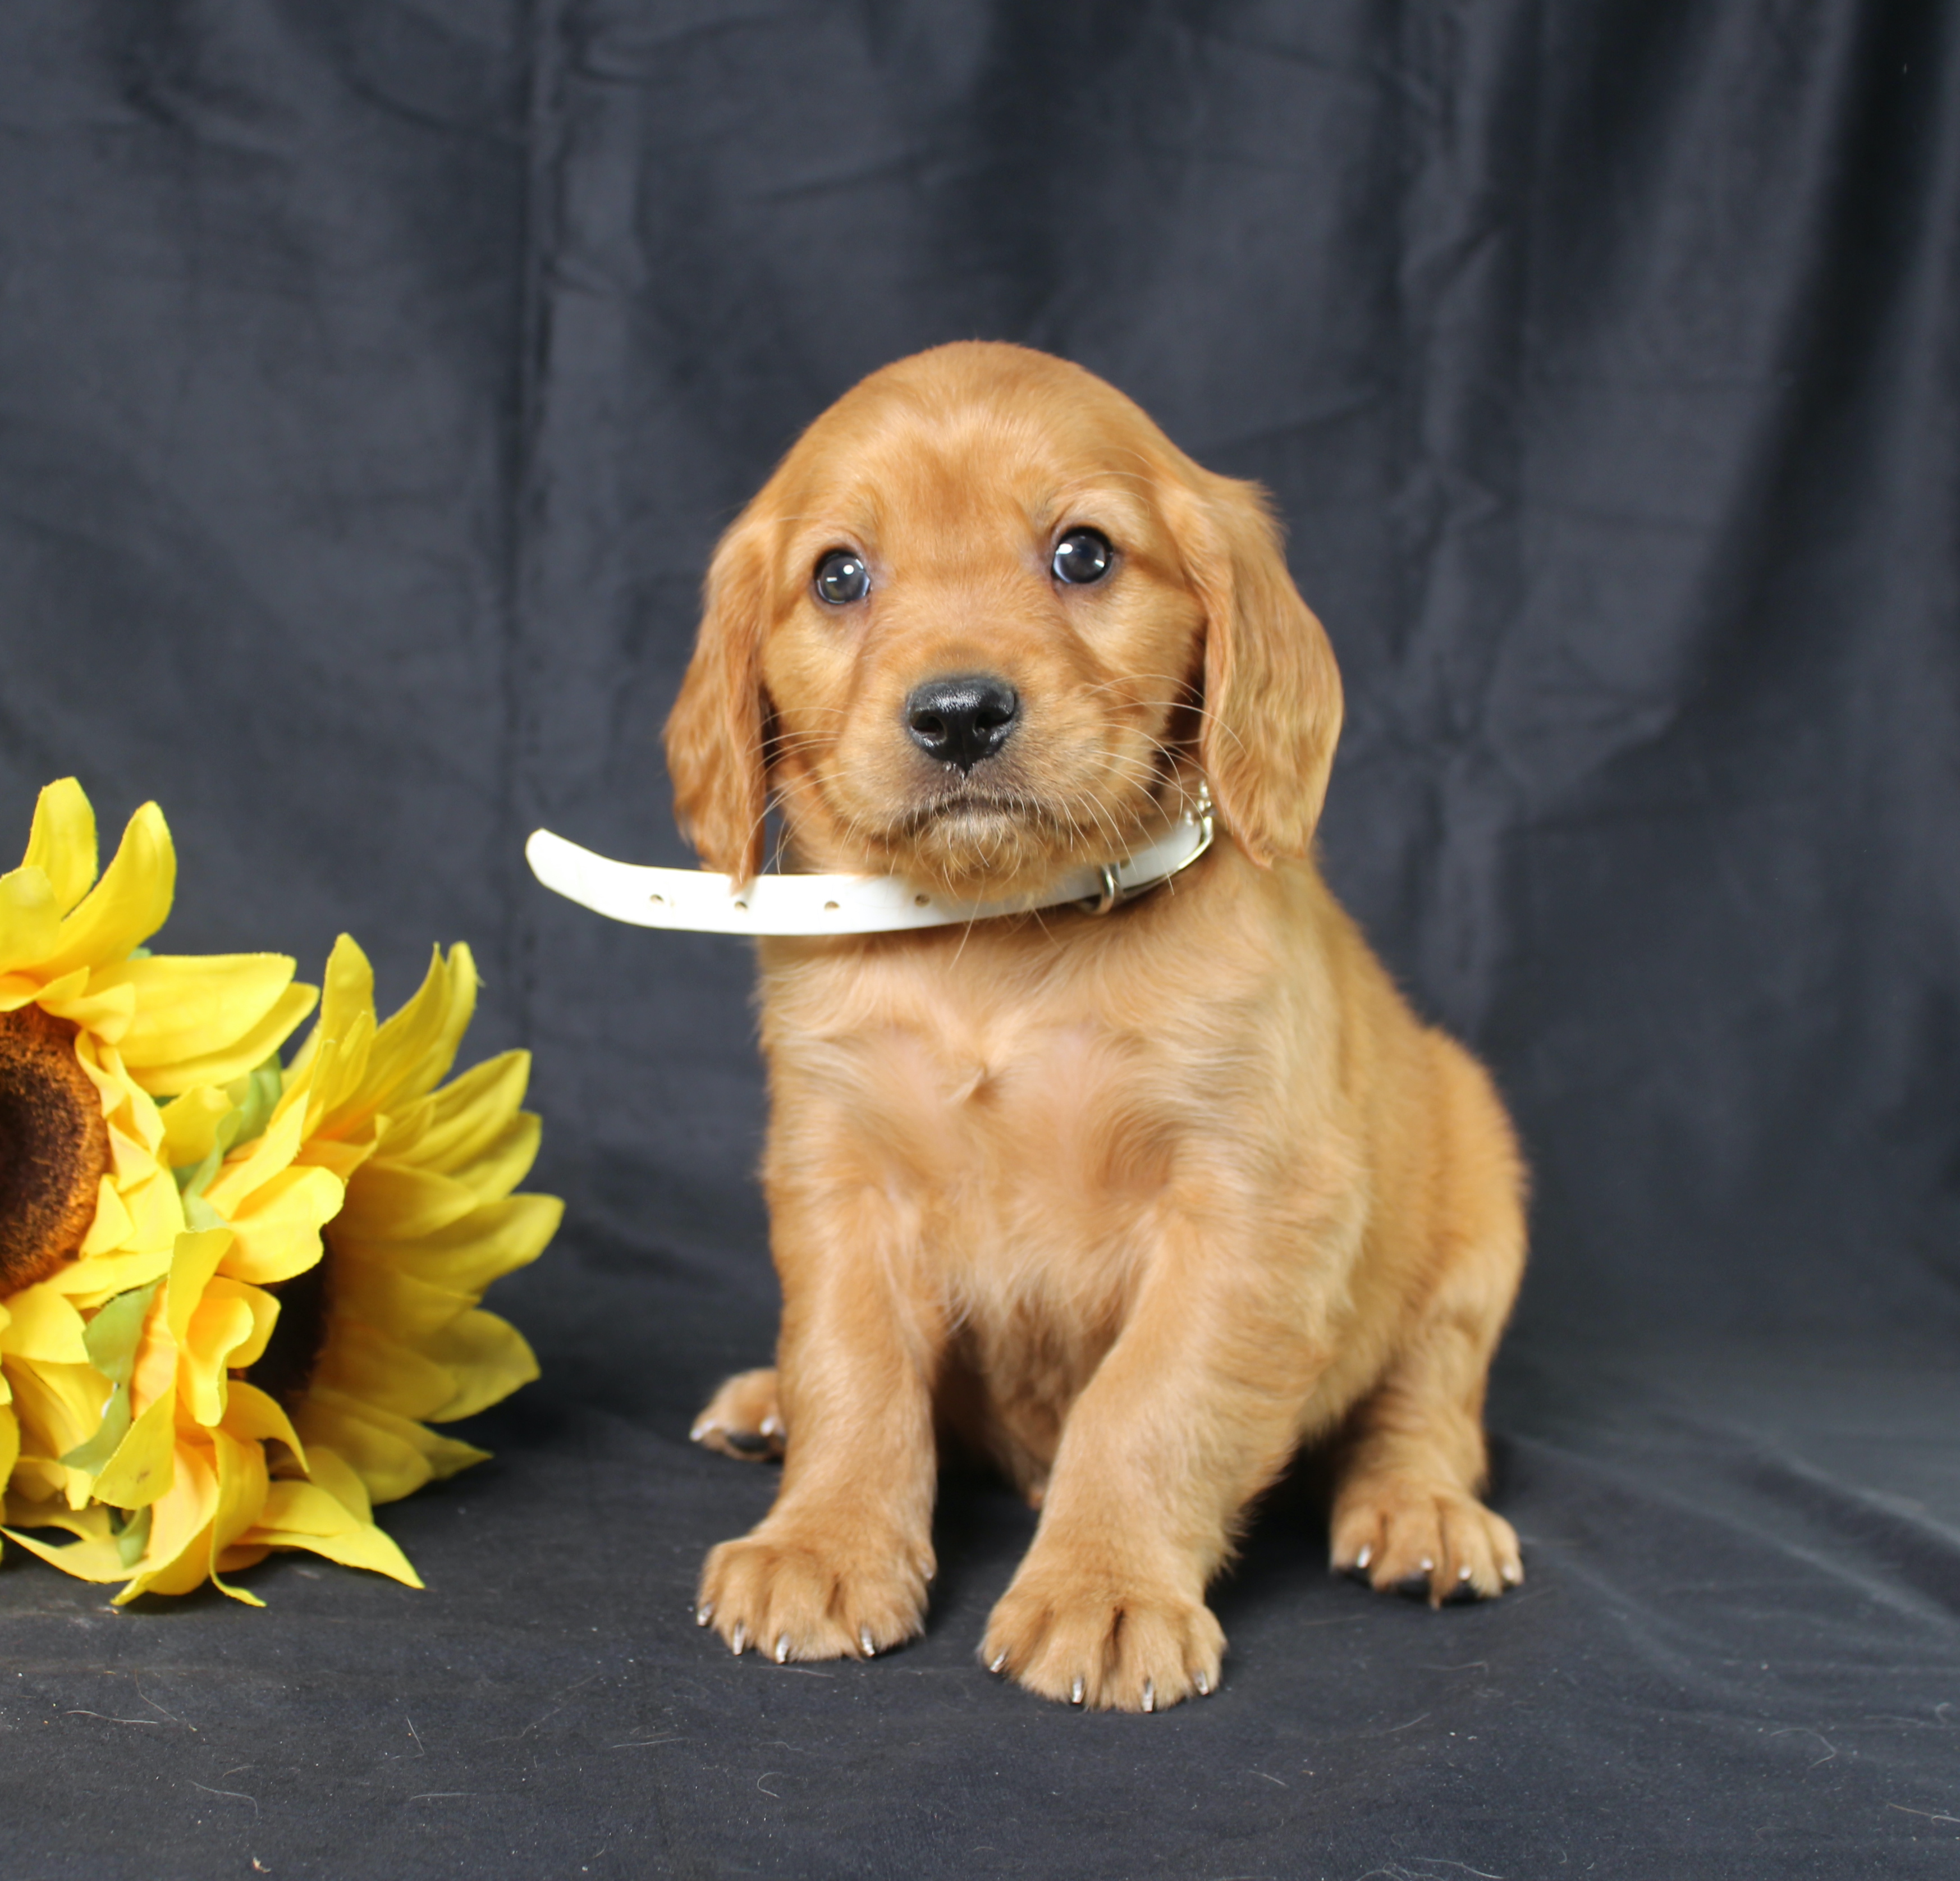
(839, 1567)
(1193, 1410)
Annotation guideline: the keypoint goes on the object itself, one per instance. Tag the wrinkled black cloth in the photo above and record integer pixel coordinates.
(375, 379)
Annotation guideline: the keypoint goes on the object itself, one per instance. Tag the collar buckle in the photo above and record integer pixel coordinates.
(1115, 892)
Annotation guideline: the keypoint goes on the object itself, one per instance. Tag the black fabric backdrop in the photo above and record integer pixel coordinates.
(375, 377)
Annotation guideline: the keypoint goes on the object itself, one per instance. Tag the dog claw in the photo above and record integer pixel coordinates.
(864, 1640)
(1513, 1574)
(1149, 1696)
(1075, 1692)
(783, 1650)
(704, 1613)
(739, 1640)
(999, 1659)
(1362, 1560)
(1463, 1574)
(1203, 1681)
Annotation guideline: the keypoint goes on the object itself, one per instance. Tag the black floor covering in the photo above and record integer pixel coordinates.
(375, 378)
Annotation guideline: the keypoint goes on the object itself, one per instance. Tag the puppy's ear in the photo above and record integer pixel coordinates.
(1272, 692)
(715, 732)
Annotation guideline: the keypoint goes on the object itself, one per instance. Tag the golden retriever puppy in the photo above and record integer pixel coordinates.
(1133, 1204)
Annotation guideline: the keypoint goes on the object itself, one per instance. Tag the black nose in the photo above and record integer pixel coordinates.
(962, 719)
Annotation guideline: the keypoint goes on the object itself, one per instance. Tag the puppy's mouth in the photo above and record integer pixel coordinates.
(965, 808)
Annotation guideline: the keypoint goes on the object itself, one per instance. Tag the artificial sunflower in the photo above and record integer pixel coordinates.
(271, 1376)
(384, 1336)
(93, 1030)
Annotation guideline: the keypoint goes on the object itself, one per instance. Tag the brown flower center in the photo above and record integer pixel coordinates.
(54, 1147)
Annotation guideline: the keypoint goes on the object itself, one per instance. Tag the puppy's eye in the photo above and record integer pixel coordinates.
(842, 577)
(1082, 556)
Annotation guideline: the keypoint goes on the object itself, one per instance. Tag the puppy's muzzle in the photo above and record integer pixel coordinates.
(962, 719)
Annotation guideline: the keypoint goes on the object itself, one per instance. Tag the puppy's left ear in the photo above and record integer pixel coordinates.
(715, 732)
(1272, 692)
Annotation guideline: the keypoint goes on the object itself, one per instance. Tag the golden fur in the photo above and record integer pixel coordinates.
(1133, 1204)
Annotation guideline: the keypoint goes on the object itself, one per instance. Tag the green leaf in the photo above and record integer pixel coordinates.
(111, 1338)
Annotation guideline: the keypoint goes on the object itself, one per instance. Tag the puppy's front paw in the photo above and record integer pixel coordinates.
(743, 1419)
(1078, 1638)
(1406, 1535)
(795, 1593)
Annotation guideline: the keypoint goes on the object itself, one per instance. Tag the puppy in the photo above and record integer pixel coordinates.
(1133, 1204)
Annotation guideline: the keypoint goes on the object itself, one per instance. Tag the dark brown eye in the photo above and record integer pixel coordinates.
(842, 577)
(1082, 556)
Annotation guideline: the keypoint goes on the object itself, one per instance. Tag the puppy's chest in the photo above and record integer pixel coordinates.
(1010, 1126)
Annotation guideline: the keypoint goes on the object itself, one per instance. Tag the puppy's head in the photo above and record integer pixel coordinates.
(986, 622)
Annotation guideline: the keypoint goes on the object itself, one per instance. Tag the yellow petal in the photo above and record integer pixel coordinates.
(249, 1049)
(191, 1005)
(178, 1555)
(242, 1487)
(155, 1210)
(10, 1442)
(144, 1468)
(37, 1484)
(403, 1202)
(413, 1052)
(278, 1226)
(96, 1557)
(129, 1109)
(128, 905)
(60, 1406)
(256, 1163)
(29, 922)
(327, 1071)
(394, 1455)
(194, 1260)
(448, 1128)
(88, 1283)
(340, 1479)
(468, 1255)
(303, 1515)
(347, 996)
(222, 1323)
(487, 1357)
(343, 1159)
(111, 1227)
(379, 1293)
(265, 1311)
(374, 1370)
(108, 1014)
(394, 1202)
(43, 1326)
(250, 1412)
(503, 1163)
(190, 1125)
(61, 843)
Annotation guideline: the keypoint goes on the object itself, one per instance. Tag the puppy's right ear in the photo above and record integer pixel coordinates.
(714, 732)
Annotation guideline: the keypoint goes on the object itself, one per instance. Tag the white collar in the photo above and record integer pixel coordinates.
(700, 902)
